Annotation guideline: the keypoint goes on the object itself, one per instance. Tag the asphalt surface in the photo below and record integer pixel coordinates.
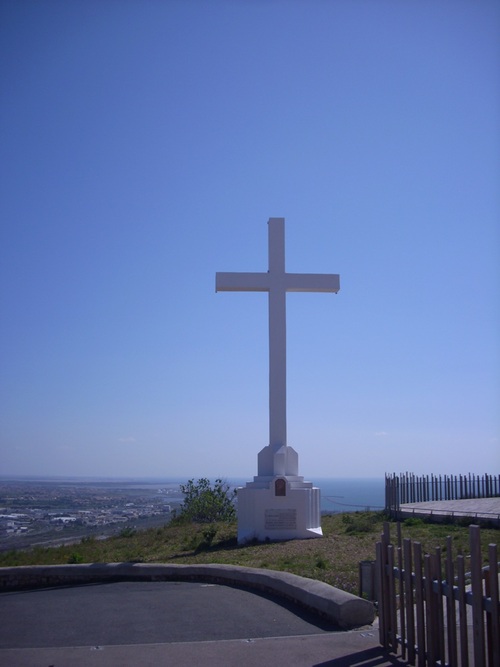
(146, 613)
(149, 624)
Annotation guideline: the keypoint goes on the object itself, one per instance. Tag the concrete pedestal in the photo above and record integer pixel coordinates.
(278, 505)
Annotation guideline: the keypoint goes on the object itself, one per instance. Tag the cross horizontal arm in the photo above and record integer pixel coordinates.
(241, 282)
(312, 282)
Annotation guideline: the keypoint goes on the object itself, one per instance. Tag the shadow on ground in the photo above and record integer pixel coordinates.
(371, 657)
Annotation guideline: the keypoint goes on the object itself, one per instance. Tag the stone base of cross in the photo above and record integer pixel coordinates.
(278, 504)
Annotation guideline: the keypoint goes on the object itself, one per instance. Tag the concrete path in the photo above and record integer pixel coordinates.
(172, 623)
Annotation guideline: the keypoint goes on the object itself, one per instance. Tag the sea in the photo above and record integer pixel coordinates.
(343, 494)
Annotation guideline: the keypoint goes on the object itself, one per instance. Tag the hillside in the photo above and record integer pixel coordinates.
(348, 539)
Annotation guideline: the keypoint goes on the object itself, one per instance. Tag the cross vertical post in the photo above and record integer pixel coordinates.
(277, 334)
(277, 283)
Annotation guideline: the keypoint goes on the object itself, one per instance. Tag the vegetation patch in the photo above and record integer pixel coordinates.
(207, 503)
(348, 539)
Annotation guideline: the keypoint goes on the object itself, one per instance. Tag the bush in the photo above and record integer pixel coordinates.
(321, 562)
(204, 503)
(202, 540)
(75, 558)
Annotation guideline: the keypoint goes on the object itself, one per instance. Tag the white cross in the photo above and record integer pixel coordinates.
(277, 283)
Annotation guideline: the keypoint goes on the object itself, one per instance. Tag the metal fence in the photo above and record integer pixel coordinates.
(409, 488)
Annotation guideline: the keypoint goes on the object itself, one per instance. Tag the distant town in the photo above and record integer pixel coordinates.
(47, 512)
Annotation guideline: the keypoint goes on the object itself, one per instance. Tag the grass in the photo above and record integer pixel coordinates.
(348, 539)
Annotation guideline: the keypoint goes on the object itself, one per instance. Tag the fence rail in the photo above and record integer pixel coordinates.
(438, 611)
(409, 488)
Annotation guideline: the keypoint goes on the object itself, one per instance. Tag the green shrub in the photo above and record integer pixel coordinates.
(204, 503)
(75, 558)
(321, 563)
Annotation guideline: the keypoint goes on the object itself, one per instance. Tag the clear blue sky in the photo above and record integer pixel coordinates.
(145, 145)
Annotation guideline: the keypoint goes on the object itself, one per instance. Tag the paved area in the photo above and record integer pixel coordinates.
(483, 508)
(172, 623)
(346, 649)
(146, 612)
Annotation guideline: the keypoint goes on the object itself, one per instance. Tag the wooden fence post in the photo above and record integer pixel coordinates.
(477, 595)
(451, 620)
(462, 608)
(393, 617)
(409, 600)
(419, 604)
(493, 621)
(437, 588)
(383, 578)
(402, 594)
